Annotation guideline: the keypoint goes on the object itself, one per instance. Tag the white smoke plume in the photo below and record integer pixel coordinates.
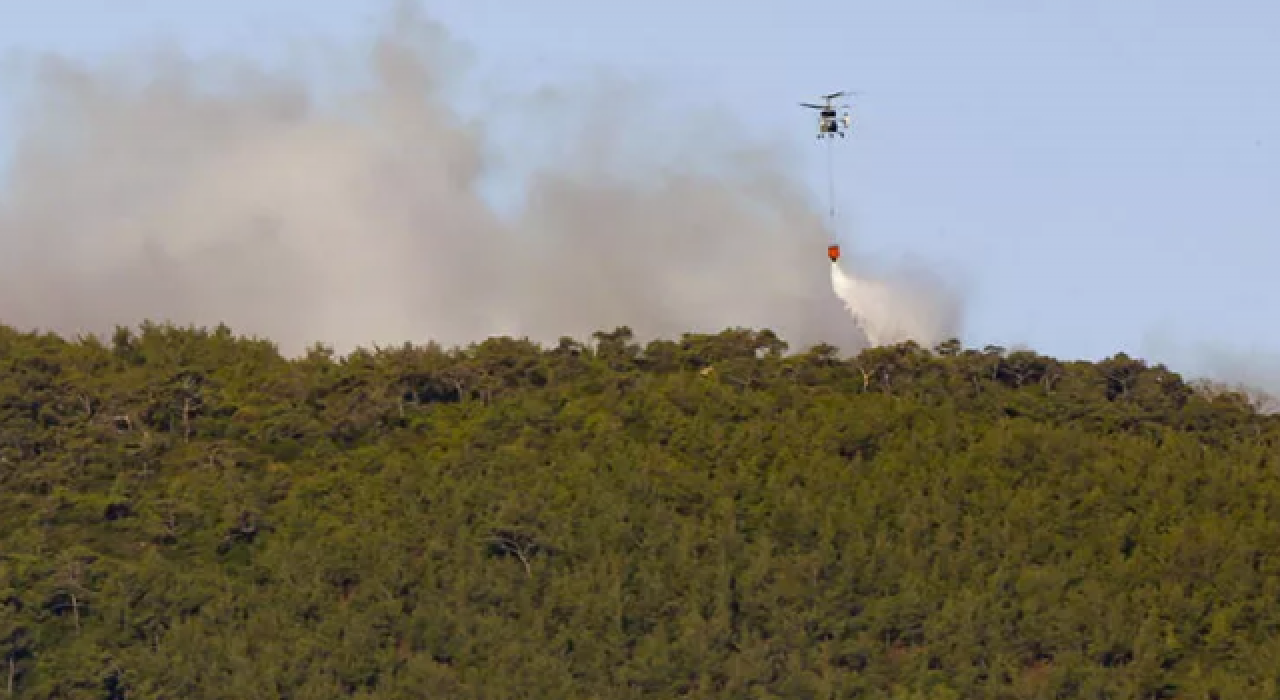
(893, 310)
(358, 218)
(1217, 366)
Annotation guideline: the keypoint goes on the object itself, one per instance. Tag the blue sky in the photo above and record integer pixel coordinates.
(1103, 175)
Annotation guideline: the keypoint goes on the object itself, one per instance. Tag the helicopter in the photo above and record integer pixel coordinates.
(829, 122)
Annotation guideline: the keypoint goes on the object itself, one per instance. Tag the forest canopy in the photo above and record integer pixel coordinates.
(186, 513)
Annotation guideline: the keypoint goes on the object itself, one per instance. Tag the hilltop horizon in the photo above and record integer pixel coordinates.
(1260, 398)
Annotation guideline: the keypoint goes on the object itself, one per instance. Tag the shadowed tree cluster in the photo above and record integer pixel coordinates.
(185, 513)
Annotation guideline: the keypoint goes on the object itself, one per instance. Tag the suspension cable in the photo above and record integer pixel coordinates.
(831, 184)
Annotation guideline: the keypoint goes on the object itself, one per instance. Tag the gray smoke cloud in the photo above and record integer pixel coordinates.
(1218, 366)
(200, 192)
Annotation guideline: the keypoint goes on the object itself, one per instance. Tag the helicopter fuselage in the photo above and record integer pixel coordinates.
(829, 123)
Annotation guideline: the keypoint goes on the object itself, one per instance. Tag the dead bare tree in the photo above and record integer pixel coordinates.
(521, 545)
(72, 589)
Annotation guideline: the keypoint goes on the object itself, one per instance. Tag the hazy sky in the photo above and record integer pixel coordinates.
(1102, 175)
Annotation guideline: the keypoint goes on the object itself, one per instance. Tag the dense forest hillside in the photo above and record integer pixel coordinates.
(185, 514)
